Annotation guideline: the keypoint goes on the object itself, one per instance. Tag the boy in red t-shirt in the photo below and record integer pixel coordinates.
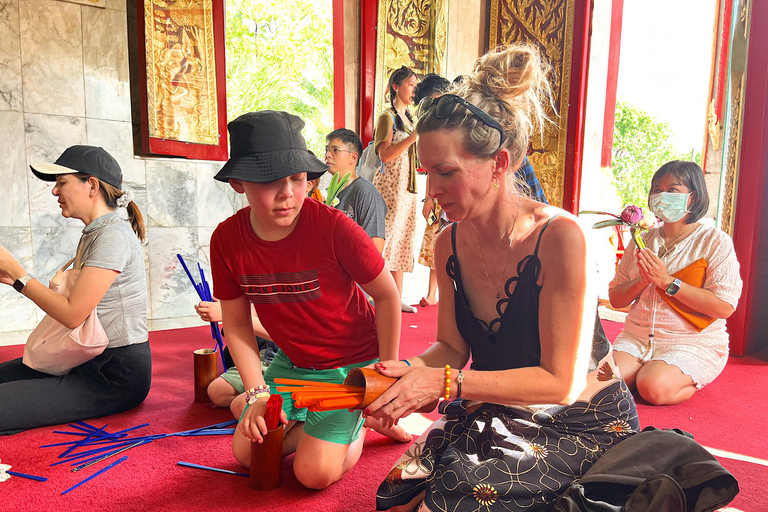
(297, 261)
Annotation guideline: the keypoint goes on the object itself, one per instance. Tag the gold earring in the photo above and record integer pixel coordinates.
(495, 185)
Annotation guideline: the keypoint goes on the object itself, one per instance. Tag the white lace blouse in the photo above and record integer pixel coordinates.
(722, 279)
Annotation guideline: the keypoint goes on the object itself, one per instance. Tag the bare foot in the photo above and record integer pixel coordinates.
(394, 432)
(426, 301)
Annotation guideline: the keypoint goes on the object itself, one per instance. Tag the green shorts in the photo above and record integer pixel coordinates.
(340, 427)
(232, 376)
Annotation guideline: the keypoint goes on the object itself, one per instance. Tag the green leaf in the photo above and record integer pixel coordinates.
(606, 223)
(334, 188)
(594, 212)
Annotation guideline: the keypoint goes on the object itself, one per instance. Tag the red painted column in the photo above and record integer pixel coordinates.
(574, 145)
(751, 220)
(338, 64)
(614, 53)
(368, 22)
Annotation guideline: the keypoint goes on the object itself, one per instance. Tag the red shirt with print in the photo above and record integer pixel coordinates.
(303, 286)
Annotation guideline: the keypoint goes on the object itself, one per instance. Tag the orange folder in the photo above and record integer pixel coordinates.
(694, 275)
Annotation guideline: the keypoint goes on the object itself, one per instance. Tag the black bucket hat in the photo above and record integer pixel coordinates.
(88, 160)
(267, 146)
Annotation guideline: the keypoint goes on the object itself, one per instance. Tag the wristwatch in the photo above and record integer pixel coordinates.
(673, 287)
(21, 282)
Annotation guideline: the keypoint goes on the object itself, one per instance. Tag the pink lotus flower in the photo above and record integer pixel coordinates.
(632, 214)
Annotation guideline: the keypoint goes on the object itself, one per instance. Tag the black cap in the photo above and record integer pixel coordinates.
(85, 159)
(267, 146)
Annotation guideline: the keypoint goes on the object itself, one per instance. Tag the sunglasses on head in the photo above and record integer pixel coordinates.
(444, 106)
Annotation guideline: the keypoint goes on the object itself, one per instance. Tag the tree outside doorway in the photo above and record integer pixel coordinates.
(279, 57)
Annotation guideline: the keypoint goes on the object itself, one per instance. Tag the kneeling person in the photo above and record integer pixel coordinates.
(298, 262)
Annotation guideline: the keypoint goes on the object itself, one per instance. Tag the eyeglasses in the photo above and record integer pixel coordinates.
(335, 150)
(445, 105)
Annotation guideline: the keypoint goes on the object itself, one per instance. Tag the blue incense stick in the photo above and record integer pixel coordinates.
(118, 461)
(24, 475)
(218, 470)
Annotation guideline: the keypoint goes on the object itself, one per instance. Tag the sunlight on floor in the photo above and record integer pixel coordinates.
(415, 424)
(734, 456)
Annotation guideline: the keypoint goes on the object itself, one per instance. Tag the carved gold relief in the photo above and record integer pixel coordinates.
(411, 33)
(181, 71)
(548, 24)
(735, 119)
(713, 126)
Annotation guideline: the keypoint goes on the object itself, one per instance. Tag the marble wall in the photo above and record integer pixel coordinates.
(64, 80)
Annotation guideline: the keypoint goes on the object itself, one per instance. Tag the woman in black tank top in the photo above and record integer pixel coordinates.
(542, 399)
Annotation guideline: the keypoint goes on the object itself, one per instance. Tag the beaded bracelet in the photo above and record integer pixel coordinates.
(253, 394)
(459, 380)
(447, 382)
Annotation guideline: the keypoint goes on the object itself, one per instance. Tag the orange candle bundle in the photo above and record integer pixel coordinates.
(361, 387)
(322, 396)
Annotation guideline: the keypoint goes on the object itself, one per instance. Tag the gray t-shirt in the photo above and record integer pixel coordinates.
(109, 242)
(362, 202)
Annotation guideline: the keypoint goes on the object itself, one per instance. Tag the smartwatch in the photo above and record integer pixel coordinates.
(21, 282)
(673, 287)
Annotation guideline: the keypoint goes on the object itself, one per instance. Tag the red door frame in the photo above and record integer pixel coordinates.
(369, 10)
(750, 225)
(577, 102)
(614, 58)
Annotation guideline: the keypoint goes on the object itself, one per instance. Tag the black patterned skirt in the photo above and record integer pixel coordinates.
(488, 457)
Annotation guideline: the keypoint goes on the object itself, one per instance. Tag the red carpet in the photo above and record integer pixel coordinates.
(724, 416)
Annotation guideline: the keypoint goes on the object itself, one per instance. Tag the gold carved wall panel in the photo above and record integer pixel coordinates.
(181, 71)
(735, 117)
(547, 24)
(411, 33)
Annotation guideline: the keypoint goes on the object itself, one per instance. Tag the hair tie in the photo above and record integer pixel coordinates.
(123, 200)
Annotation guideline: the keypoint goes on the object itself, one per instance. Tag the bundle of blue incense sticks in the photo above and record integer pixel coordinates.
(97, 444)
(204, 292)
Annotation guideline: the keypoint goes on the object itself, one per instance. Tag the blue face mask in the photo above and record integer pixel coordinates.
(669, 206)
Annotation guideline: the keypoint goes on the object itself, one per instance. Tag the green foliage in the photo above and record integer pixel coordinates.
(640, 146)
(279, 57)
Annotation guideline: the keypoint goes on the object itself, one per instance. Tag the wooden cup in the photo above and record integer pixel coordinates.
(267, 462)
(205, 373)
(375, 383)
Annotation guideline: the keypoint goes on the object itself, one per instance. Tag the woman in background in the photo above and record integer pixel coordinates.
(668, 355)
(393, 141)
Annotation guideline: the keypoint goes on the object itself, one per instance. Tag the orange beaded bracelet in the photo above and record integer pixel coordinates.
(447, 382)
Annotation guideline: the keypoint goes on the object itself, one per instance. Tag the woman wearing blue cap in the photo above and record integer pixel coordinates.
(111, 279)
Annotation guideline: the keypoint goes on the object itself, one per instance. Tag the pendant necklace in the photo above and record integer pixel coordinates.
(665, 249)
(506, 262)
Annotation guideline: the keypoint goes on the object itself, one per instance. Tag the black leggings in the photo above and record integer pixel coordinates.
(114, 381)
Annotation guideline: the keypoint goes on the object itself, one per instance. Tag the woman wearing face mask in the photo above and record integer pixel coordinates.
(682, 287)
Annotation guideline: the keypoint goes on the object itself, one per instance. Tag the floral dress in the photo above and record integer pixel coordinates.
(485, 456)
(400, 221)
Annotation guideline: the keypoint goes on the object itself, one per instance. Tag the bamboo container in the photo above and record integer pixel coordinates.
(267, 462)
(375, 384)
(205, 373)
